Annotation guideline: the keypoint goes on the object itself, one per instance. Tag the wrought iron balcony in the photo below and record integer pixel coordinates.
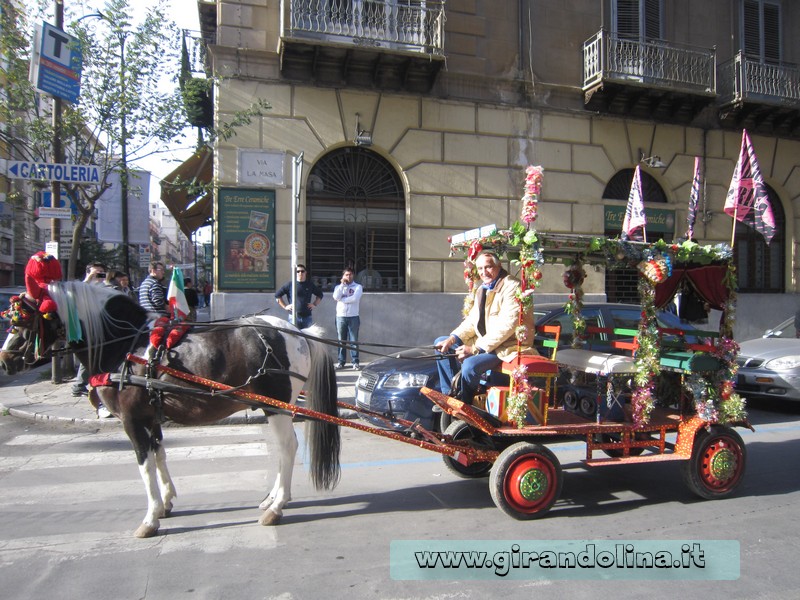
(744, 79)
(607, 57)
(401, 25)
(384, 44)
(760, 97)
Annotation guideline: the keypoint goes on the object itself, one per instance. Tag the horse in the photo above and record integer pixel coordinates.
(259, 354)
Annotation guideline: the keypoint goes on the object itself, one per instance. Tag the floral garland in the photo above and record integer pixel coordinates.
(646, 358)
(530, 201)
(517, 403)
(574, 277)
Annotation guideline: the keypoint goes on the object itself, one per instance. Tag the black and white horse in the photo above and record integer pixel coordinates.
(263, 355)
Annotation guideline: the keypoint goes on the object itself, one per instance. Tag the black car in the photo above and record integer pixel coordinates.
(391, 386)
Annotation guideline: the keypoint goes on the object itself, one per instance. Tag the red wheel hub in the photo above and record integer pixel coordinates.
(529, 485)
(721, 465)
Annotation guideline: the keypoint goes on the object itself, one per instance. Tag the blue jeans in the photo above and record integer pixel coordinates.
(304, 322)
(472, 369)
(347, 328)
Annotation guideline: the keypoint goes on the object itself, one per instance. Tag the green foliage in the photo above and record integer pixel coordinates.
(198, 102)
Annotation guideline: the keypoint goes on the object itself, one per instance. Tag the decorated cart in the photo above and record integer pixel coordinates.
(631, 417)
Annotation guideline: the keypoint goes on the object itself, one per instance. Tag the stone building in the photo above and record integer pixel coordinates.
(416, 120)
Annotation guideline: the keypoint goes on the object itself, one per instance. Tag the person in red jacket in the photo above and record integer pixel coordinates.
(42, 269)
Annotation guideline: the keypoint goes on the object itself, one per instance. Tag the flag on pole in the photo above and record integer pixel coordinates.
(634, 213)
(694, 199)
(176, 296)
(747, 199)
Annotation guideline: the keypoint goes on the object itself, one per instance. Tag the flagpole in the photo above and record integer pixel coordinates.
(733, 227)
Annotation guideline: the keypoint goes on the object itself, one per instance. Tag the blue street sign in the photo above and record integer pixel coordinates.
(60, 62)
(22, 169)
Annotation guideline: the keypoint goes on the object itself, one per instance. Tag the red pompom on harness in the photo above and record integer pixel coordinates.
(100, 379)
(168, 333)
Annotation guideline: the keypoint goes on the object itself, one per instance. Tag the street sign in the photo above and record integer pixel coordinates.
(38, 171)
(57, 63)
(45, 212)
(52, 248)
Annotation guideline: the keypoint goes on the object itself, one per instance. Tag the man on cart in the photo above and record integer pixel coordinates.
(486, 337)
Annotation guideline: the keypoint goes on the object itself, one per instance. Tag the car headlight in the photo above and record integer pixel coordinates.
(405, 380)
(784, 363)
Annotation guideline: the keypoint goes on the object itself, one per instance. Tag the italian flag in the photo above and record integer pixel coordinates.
(176, 296)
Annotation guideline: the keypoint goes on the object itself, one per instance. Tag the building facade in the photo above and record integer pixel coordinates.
(416, 120)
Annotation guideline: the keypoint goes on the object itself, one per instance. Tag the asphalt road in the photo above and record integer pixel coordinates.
(70, 498)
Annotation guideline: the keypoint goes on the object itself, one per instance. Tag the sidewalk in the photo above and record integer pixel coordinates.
(31, 395)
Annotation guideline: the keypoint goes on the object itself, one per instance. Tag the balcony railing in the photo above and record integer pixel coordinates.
(744, 79)
(195, 52)
(405, 25)
(606, 57)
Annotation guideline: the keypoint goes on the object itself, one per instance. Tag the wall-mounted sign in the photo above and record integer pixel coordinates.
(262, 168)
(246, 229)
(658, 219)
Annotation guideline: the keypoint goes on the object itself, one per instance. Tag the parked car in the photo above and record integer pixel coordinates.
(392, 385)
(770, 365)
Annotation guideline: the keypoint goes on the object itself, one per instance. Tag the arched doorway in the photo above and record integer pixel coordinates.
(356, 218)
(760, 267)
(622, 284)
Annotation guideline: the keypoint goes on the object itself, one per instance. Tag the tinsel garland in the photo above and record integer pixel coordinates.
(573, 279)
(517, 403)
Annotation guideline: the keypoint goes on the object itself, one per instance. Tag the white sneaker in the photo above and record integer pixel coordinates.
(356, 367)
(103, 413)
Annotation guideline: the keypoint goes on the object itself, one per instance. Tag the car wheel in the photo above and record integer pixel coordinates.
(461, 431)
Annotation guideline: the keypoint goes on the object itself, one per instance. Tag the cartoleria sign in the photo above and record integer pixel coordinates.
(18, 169)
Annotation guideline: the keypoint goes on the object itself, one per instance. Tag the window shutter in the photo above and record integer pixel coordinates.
(752, 29)
(652, 20)
(772, 33)
(628, 19)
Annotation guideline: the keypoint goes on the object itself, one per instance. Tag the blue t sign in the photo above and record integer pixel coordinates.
(60, 61)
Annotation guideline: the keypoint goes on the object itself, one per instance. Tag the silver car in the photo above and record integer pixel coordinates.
(770, 365)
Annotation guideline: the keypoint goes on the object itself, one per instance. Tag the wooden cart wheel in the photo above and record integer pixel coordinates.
(459, 430)
(526, 481)
(717, 464)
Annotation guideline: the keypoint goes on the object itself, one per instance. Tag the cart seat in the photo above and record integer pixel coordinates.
(537, 366)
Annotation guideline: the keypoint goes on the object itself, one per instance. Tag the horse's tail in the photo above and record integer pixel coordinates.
(323, 437)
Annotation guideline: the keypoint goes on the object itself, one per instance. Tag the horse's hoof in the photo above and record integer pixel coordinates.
(167, 512)
(270, 518)
(145, 531)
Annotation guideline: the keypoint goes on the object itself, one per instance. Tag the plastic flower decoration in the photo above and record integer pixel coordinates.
(530, 201)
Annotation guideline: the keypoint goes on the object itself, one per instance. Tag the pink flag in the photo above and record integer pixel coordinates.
(694, 198)
(747, 199)
(634, 213)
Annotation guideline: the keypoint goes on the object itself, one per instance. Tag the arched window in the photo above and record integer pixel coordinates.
(622, 284)
(760, 267)
(356, 218)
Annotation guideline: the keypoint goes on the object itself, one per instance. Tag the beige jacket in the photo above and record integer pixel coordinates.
(502, 319)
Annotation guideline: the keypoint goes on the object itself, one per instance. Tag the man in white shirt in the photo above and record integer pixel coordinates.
(348, 295)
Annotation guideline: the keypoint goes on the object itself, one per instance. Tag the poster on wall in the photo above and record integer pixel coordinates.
(246, 229)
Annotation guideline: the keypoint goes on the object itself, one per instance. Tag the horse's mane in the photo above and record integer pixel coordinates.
(82, 310)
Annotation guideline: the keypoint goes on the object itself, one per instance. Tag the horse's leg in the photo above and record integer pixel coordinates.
(165, 485)
(146, 449)
(282, 428)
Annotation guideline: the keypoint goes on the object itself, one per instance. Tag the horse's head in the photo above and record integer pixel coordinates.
(30, 338)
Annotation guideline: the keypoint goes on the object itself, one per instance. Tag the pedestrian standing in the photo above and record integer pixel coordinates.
(309, 295)
(348, 297)
(192, 299)
(152, 294)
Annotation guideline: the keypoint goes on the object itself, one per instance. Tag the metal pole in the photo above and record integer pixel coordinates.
(58, 157)
(124, 150)
(297, 174)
